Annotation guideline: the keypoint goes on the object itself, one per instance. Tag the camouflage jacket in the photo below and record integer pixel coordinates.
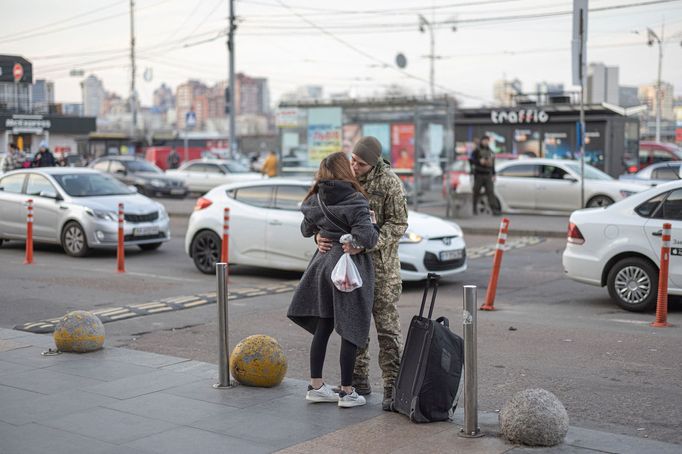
(387, 199)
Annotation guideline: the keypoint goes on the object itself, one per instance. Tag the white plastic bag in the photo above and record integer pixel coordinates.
(345, 274)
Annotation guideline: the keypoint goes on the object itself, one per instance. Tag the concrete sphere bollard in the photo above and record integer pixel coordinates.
(258, 361)
(80, 332)
(534, 417)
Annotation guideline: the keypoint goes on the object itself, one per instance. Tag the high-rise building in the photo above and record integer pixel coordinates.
(647, 94)
(191, 96)
(43, 95)
(252, 95)
(113, 104)
(15, 97)
(217, 100)
(164, 100)
(602, 84)
(628, 96)
(93, 93)
(504, 91)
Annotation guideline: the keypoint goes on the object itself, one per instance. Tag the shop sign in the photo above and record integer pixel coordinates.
(27, 123)
(522, 116)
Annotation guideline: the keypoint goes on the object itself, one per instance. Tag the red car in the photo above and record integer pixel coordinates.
(652, 152)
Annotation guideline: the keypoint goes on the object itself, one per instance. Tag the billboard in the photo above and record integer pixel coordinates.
(402, 145)
(7, 64)
(324, 133)
(351, 135)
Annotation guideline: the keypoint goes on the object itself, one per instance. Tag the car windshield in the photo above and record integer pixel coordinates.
(591, 173)
(140, 165)
(91, 185)
(236, 167)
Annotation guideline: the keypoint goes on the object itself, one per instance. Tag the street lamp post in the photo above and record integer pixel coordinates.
(651, 37)
(423, 23)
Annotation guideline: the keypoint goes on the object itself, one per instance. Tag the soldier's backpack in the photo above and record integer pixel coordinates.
(428, 381)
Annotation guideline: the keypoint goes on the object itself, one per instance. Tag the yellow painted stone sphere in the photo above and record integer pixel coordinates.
(258, 361)
(80, 332)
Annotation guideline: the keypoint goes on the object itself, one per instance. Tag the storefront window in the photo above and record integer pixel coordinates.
(527, 142)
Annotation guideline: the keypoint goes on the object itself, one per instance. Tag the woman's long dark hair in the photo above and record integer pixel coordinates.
(335, 166)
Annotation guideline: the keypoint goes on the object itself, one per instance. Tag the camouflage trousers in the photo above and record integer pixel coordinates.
(387, 323)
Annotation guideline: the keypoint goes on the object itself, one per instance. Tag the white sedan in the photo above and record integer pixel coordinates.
(620, 246)
(265, 222)
(553, 185)
(201, 175)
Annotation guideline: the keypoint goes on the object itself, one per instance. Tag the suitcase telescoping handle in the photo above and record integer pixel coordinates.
(431, 282)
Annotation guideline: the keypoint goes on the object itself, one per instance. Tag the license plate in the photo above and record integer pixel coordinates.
(145, 231)
(451, 255)
(177, 191)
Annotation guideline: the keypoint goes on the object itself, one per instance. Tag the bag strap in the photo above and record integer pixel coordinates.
(331, 217)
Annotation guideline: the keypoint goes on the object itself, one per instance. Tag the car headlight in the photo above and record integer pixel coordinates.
(157, 183)
(410, 237)
(624, 193)
(103, 215)
(163, 214)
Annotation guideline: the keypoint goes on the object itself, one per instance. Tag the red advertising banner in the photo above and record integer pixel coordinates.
(402, 145)
(678, 135)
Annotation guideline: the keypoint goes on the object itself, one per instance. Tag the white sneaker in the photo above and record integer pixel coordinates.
(351, 400)
(324, 394)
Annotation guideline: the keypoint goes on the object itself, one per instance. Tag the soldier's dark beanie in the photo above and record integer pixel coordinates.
(368, 149)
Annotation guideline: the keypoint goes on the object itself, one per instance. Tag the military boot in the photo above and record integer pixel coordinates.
(362, 386)
(387, 403)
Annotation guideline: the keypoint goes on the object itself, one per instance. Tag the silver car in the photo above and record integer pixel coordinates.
(78, 208)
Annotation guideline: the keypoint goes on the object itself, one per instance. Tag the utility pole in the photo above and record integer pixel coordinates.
(231, 82)
(651, 37)
(424, 22)
(133, 95)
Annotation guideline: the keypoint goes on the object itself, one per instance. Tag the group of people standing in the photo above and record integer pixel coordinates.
(363, 197)
(15, 159)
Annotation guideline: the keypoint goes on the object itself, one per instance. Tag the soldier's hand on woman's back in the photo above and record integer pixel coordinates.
(323, 244)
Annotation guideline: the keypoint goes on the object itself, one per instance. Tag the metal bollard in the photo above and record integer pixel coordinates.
(470, 429)
(223, 331)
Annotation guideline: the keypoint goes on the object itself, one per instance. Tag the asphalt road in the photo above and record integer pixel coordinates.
(610, 369)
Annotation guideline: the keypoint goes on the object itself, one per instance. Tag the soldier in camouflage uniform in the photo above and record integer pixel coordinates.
(387, 200)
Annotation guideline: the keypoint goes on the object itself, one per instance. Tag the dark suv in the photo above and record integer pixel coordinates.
(145, 176)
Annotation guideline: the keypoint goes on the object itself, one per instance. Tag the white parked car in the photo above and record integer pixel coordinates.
(552, 185)
(265, 230)
(620, 246)
(201, 175)
(78, 208)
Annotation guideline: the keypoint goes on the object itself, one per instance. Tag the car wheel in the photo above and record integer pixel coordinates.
(599, 201)
(206, 251)
(633, 284)
(74, 241)
(150, 246)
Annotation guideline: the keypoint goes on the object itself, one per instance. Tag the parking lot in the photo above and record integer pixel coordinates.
(611, 370)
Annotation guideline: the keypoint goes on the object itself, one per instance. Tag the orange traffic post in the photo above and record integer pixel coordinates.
(120, 252)
(29, 233)
(662, 301)
(497, 261)
(226, 236)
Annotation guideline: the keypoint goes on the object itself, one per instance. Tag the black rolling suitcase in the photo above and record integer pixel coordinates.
(427, 386)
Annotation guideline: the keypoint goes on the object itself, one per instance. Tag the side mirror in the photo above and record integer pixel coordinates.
(49, 194)
(121, 172)
(132, 188)
(569, 177)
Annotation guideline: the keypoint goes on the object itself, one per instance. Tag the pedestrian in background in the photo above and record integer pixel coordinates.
(483, 170)
(387, 200)
(44, 157)
(173, 160)
(335, 205)
(10, 162)
(269, 167)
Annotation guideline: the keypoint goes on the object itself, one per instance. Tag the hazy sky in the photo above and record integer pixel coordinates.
(340, 45)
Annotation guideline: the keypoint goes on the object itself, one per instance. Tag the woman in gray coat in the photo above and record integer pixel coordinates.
(317, 305)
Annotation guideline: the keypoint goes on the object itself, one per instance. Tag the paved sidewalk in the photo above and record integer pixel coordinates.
(125, 401)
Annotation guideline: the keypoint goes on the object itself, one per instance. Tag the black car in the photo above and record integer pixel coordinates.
(145, 176)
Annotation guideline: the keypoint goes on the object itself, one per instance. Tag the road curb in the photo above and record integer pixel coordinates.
(512, 232)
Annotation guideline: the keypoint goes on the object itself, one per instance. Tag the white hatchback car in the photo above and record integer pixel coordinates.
(553, 185)
(620, 246)
(201, 175)
(265, 230)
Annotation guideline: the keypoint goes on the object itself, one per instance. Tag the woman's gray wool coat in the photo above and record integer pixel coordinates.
(316, 297)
